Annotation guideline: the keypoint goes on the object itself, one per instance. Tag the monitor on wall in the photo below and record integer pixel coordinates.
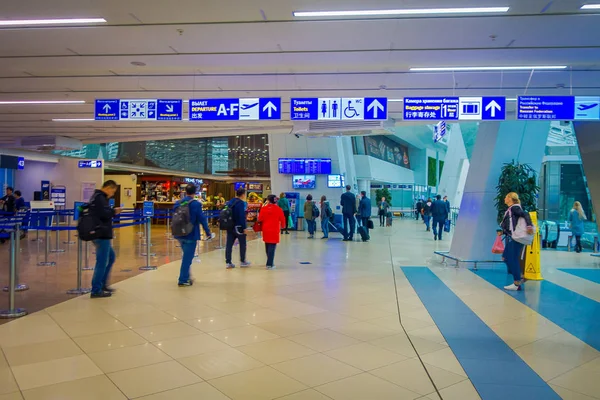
(335, 181)
(304, 181)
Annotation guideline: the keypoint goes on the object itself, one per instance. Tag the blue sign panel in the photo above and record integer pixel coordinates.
(431, 108)
(169, 110)
(439, 131)
(21, 163)
(346, 109)
(90, 164)
(107, 110)
(587, 108)
(493, 108)
(235, 109)
(546, 107)
(148, 210)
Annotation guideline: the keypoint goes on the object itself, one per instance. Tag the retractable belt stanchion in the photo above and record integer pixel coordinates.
(37, 226)
(79, 289)
(47, 263)
(148, 267)
(220, 246)
(12, 311)
(57, 236)
(19, 287)
(87, 266)
(69, 241)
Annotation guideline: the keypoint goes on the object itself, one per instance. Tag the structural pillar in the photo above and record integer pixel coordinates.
(588, 140)
(456, 167)
(496, 144)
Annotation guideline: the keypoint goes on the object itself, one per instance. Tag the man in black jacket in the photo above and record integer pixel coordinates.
(101, 211)
(419, 208)
(238, 209)
(439, 212)
(348, 203)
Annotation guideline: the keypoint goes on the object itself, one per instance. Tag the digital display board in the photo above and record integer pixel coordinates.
(304, 181)
(312, 166)
(335, 181)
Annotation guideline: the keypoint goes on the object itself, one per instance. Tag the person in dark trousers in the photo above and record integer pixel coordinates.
(272, 219)
(513, 249)
(348, 203)
(326, 216)
(101, 211)
(439, 213)
(364, 210)
(19, 201)
(426, 213)
(577, 219)
(384, 207)
(8, 201)
(188, 243)
(238, 210)
(284, 204)
(309, 217)
(419, 209)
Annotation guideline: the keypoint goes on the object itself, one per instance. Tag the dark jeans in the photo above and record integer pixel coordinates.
(438, 228)
(189, 248)
(578, 247)
(325, 226)
(312, 226)
(270, 249)
(365, 222)
(382, 219)
(512, 258)
(231, 236)
(418, 213)
(286, 214)
(105, 258)
(427, 221)
(349, 222)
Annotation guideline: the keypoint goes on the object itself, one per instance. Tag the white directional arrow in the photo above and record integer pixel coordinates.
(106, 108)
(494, 107)
(169, 108)
(269, 108)
(376, 106)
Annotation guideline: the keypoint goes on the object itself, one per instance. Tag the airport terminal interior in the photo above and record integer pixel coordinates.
(426, 173)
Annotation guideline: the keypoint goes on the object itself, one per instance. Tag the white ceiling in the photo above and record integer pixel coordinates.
(242, 48)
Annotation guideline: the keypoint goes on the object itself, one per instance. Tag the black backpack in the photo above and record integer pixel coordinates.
(181, 225)
(316, 211)
(88, 227)
(226, 221)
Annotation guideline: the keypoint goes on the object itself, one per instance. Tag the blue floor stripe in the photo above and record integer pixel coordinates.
(588, 274)
(495, 370)
(576, 314)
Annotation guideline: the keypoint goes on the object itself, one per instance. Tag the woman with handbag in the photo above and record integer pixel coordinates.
(576, 221)
(514, 249)
(271, 220)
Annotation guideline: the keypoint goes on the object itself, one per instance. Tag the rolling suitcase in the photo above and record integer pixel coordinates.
(364, 235)
(388, 219)
(447, 226)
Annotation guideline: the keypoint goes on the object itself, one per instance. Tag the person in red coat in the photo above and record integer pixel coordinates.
(272, 220)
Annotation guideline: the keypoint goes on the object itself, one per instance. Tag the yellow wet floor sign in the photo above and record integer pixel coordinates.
(532, 264)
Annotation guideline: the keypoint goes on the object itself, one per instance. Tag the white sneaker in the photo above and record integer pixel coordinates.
(512, 287)
(271, 267)
(211, 237)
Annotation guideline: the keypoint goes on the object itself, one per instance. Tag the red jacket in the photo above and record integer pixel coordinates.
(272, 219)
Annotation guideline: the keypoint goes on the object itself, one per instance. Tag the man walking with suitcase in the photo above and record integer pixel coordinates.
(364, 214)
(348, 203)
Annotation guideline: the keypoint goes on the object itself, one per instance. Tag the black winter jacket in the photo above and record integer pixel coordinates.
(101, 211)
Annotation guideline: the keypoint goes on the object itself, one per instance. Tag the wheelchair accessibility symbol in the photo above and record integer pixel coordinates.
(353, 108)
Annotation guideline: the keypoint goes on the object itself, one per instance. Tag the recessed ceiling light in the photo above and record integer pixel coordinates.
(62, 21)
(19, 102)
(506, 68)
(396, 100)
(138, 63)
(415, 11)
(72, 119)
(591, 7)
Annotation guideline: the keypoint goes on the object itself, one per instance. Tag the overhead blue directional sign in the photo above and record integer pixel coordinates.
(90, 164)
(567, 108)
(138, 110)
(257, 109)
(351, 108)
(454, 108)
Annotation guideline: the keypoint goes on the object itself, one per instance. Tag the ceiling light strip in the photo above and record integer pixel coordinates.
(43, 102)
(61, 21)
(72, 119)
(416, 11)
(505, 68)
(590, 7)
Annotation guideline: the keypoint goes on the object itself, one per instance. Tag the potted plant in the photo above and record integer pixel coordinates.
(385, 192)
(521, 179)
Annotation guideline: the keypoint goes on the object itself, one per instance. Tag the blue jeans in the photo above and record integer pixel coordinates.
(438, 227)
(189, 248)
(325, 226)
(427, 221)
(105, 258)
(312, 226)
(512, 258)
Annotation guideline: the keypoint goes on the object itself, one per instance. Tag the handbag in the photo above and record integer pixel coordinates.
(447, 225)
(519, 233)
(290, 224)
(257, 227)
(370, 224)
(498, 247)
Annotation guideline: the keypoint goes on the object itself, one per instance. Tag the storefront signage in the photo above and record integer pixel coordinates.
(257, 109)
(348, 109)
(194, 181)
(89, 164)
(564, 108)
(139, 110)
(255, 187)
(455, 108)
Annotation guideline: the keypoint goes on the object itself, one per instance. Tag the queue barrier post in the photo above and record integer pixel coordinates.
(46, 263)
(148, 267)
(79, 290)
(87, 266)
(57, 236)
(220, 246)
(37, 226)
(12, 311)
(69, 222)
(19, 287)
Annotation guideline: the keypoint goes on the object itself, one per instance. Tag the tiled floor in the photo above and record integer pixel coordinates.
(325, 330)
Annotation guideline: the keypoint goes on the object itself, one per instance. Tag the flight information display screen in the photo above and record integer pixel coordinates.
(305, 166)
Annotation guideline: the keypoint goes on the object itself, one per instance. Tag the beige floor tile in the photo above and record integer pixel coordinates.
(27, 330)
(3, 362)
(7, 381)
(567, 394)
(244, 335)
(88, 328)
(216, 323)
(56, 371)
(431, 333)
(288, 327)
(309, 394)
(323, 340)
(40, 352)
(217, 364)
(128, 357)
(389, 322)
(461, 391)
(365, 356)
(275, 351)
(365, 386)
(583, 379)
(167, 331)
(152, 379)
(94, 388)
(545, 368)
(328, 319)
(109, 341)
(261, 315)
(411, 375)
(258, 384)
(397, 343)
(572, 352)
(199, 391)
(233, 307)
(363, 313)
(11, 396)
(444, 359)
(364, 331)
(146, 319)
(424, 346)
(520, 332)
(317, 369)
(184, 311)
(190, 345)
